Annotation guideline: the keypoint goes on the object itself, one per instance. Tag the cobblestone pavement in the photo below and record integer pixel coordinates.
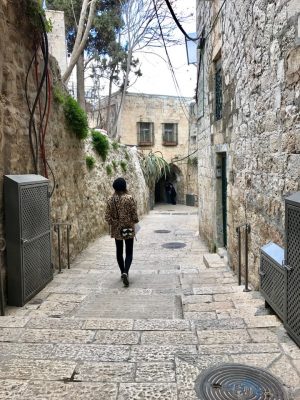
(85, 336)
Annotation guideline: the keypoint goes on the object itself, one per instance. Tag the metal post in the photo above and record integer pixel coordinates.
(68, 244)
(2, 294)
(59, 257)
(247, 230)
(2, 300)
(238, 230)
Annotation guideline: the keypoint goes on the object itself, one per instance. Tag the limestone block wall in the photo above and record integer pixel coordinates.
(80, 195)
(157, 109)
(57, 38)
(258, 43)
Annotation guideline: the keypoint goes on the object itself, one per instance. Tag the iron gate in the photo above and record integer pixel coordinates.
(28, 236)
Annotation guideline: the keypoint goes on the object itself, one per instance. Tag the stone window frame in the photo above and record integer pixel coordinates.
(170, 134)
(145, 133)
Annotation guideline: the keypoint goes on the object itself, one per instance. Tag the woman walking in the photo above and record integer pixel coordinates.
(121, 215)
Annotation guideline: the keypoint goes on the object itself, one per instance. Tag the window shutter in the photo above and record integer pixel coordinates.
(152, 132)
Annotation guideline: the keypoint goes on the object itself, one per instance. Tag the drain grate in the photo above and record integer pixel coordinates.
(173, 245)
(162, 231)
(238, 382)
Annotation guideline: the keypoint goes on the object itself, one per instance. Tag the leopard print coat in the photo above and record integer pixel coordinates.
(121, 212)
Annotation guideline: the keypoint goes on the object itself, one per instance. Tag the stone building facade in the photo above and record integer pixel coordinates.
(80, 194)
(248, 103)
(57, 38)
(161, 124)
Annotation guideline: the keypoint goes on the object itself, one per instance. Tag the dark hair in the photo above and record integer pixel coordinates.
(119, 185)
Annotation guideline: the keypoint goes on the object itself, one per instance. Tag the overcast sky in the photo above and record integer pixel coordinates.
(157, 78)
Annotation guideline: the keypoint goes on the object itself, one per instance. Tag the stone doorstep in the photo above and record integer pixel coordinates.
(212, 260)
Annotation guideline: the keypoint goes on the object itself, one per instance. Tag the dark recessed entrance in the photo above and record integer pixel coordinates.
(238, 382)
(173, 245)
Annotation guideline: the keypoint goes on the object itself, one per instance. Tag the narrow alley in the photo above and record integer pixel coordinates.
(85, 336)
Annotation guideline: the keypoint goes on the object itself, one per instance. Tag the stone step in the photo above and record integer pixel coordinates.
(213, 260)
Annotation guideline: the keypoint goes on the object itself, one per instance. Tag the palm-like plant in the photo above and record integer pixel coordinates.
(153, 167)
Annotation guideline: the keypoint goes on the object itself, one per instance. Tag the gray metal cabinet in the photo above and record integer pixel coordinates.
(292, 221)
(272, 277)
(28, 236)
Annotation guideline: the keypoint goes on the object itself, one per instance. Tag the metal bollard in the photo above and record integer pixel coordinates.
(2, 300)
(247, 230)
(238, 231)
(2, 295)
(68, 244)
(59, 256)
(57, 228)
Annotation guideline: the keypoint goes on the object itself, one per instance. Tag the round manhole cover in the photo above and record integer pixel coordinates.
(238, 382)
(162, 231)
(173, 245)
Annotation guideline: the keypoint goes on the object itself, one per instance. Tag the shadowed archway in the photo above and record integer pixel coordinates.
(175, 177)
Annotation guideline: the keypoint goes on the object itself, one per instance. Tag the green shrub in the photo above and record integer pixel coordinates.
(123, 165)
(109, 169)
(58, 95)
(90, 162)
(76, 117)
(114, 164)
(35, 11)
(126, 155)
(115, 145)
(100, 143)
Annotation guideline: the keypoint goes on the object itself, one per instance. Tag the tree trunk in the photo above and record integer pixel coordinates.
(81, 40)
(108, 125)
(116, 132)
(80, 82)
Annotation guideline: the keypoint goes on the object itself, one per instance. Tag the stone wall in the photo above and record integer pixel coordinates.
(80, 195)
(258, 45)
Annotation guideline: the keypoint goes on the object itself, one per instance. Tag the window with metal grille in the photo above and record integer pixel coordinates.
(218, 89)
(170, 134)
(145, 133)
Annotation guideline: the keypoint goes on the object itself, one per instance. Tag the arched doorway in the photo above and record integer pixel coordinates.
(175, 177)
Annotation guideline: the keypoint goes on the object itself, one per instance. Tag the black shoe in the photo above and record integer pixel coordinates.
(125, 279)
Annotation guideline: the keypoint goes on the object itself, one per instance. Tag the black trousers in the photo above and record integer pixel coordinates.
(124, 266)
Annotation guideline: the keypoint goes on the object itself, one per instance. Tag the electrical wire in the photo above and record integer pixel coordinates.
(215, 20)
(37, 137)
(201, 53)
(185, 111)
(31, 130)
(179, 24)
(175, 159)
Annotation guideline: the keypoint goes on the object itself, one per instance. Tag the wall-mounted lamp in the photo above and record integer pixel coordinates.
(191, 49)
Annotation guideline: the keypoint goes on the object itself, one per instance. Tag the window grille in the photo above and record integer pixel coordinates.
(170, 134)
(145, 133)
(218, 90)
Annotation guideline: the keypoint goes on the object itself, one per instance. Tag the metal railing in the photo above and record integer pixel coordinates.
(57, 228)
(247, 229)
(2, 300)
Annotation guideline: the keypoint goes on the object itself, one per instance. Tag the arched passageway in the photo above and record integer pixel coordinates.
(175, 177)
